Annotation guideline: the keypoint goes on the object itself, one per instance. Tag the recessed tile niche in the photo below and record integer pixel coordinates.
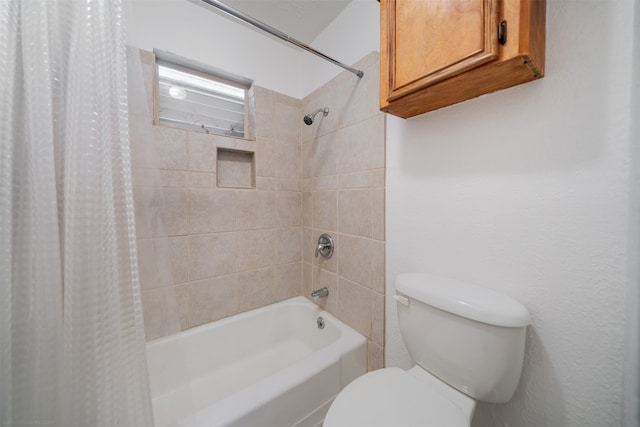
(236, 169)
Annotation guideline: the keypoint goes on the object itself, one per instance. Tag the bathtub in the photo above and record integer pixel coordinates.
(272, 366)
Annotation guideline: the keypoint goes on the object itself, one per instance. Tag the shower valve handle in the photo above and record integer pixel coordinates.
(325, 246)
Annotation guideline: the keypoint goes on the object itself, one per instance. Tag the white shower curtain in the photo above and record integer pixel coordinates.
(71, 336)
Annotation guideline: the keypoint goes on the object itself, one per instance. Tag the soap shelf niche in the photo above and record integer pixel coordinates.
(235, 168)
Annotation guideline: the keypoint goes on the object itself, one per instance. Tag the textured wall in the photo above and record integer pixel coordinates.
(527, 191)
(631, 403)
(343, 169)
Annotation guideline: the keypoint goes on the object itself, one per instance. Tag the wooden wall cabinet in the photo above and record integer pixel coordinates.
(435, 53)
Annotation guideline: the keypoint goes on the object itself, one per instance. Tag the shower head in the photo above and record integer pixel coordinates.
(308, 119)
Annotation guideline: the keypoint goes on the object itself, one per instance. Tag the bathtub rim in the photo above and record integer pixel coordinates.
(298, 300)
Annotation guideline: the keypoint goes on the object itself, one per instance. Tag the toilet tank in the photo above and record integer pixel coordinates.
(468, 336)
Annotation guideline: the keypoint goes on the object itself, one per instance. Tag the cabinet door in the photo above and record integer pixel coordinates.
(432, 40)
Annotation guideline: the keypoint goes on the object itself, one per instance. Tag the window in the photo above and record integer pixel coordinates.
(199, 98)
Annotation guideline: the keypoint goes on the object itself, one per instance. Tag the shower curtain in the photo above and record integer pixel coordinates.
(71, 335)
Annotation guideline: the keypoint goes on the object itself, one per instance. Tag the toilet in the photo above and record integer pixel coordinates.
(468, 345)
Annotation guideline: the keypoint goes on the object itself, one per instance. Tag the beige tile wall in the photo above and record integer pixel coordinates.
(207, 252)
(343, 169)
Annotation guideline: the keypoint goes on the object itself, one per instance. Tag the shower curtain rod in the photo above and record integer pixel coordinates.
(269, 29)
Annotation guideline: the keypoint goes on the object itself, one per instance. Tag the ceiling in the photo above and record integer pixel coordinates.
(300, 19)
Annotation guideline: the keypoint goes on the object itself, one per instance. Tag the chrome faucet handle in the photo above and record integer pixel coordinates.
(321, 248)
(325, 246)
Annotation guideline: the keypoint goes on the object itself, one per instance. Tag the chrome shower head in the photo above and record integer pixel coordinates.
(308, 119)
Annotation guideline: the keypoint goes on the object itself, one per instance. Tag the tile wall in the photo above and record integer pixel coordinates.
(207, 252)
(344, 192)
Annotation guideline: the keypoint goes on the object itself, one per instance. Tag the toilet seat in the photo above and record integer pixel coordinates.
(392, 397)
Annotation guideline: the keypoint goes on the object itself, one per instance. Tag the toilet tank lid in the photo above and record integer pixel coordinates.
(464, 299)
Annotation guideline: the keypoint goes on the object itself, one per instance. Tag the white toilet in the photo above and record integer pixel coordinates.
(467, 342)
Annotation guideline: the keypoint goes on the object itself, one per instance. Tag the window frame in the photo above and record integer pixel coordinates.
(194, 68)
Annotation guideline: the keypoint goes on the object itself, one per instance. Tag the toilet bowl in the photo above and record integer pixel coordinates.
(468, 344)
(394, 397)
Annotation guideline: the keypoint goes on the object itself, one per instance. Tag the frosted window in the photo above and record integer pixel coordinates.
(195, 100)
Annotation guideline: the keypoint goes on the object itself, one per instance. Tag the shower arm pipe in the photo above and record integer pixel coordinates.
(275, 32)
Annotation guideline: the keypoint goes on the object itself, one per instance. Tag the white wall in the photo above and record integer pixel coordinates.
(353, 34)
(189, 30)
(527, 191)
(632, 356)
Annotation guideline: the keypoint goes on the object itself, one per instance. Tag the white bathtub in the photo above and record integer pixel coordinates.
(271, 366)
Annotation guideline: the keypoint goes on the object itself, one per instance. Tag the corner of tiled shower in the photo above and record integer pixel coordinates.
(207, 252)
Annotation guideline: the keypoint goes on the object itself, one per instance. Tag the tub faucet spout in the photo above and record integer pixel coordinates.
(319, 293)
